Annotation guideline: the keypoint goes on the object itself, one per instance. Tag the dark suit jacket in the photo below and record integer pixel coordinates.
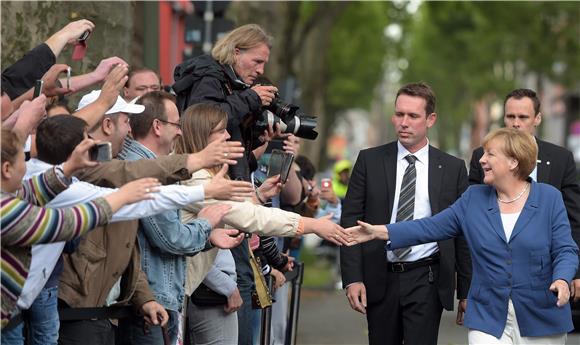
(370, 197)
(555, 167)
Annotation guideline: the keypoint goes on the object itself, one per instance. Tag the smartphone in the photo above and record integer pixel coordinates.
(280, 164)
(38, 88)
(84, 36)
(326, 183)
(286, 167)
(68, 78)
(101, 152)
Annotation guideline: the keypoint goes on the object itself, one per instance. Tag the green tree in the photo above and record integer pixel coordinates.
(26, 24)
(477, 51)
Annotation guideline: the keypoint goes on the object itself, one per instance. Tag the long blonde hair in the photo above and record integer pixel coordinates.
(197, 123)
(245, 37)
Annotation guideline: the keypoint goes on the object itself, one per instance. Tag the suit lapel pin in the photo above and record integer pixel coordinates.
(439, 166)
(548, 163)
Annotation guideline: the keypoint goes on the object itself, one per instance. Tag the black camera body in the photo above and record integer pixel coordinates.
(288, 118)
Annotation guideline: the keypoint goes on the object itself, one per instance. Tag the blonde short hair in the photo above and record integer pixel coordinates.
(245, 37)
(518, 145)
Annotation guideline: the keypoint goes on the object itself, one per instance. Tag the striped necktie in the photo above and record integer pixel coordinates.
(406, 200)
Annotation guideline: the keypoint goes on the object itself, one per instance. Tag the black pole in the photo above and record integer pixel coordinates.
(266, 328)
(292, 328)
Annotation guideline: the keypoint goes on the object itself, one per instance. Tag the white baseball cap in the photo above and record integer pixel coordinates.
(121, 106)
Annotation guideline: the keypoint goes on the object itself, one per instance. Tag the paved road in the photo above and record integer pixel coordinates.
(326, 318)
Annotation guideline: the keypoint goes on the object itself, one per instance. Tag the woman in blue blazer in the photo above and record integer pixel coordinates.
(522, 251)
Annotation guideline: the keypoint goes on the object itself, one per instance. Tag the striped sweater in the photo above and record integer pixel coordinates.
(25, 222)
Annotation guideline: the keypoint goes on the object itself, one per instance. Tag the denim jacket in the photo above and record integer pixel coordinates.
(164, 243)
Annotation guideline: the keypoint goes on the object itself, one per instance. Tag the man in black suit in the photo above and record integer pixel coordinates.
(555, 164)
(402, 293)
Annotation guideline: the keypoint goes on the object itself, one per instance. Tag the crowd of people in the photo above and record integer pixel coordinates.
(182, 220)
(153, 226)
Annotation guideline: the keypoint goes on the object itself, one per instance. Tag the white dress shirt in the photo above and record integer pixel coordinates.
(45, 256)
(534, 174)
(422, 205)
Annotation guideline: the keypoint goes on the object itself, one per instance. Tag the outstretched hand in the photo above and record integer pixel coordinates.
(220, 152)
(140, 189)
(105, 66)
(134, 191)
(73, 30)
(330, 231)
(364, 232)
(214, 213)
(224, 189)
(114, 82)
(226, 238)
(27, 117)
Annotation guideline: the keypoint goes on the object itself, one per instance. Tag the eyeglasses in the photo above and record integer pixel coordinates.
(178, 125)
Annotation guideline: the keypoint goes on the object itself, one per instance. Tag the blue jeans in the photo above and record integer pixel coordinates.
(131, 330)
(43, 321)
(13, 336)
(256, 325)
(245, 317)
(43, 318)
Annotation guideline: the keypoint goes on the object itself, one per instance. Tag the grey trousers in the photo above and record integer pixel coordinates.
(211, 325)
(280, 315)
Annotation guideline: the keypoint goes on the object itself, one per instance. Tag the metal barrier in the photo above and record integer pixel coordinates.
(295, 277)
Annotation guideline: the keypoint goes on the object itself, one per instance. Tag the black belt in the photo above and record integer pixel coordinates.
(113, 312)
(407, 266)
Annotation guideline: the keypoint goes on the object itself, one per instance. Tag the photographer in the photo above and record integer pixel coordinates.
(225, 78)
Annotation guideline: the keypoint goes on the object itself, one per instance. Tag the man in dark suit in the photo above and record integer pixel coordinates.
(403, 293)
(555, 164)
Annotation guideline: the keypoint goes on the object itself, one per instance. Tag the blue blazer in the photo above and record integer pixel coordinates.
(540, 251)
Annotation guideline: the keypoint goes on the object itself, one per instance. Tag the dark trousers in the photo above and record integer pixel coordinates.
(410, 312)
(87, 332)
(133, 331)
